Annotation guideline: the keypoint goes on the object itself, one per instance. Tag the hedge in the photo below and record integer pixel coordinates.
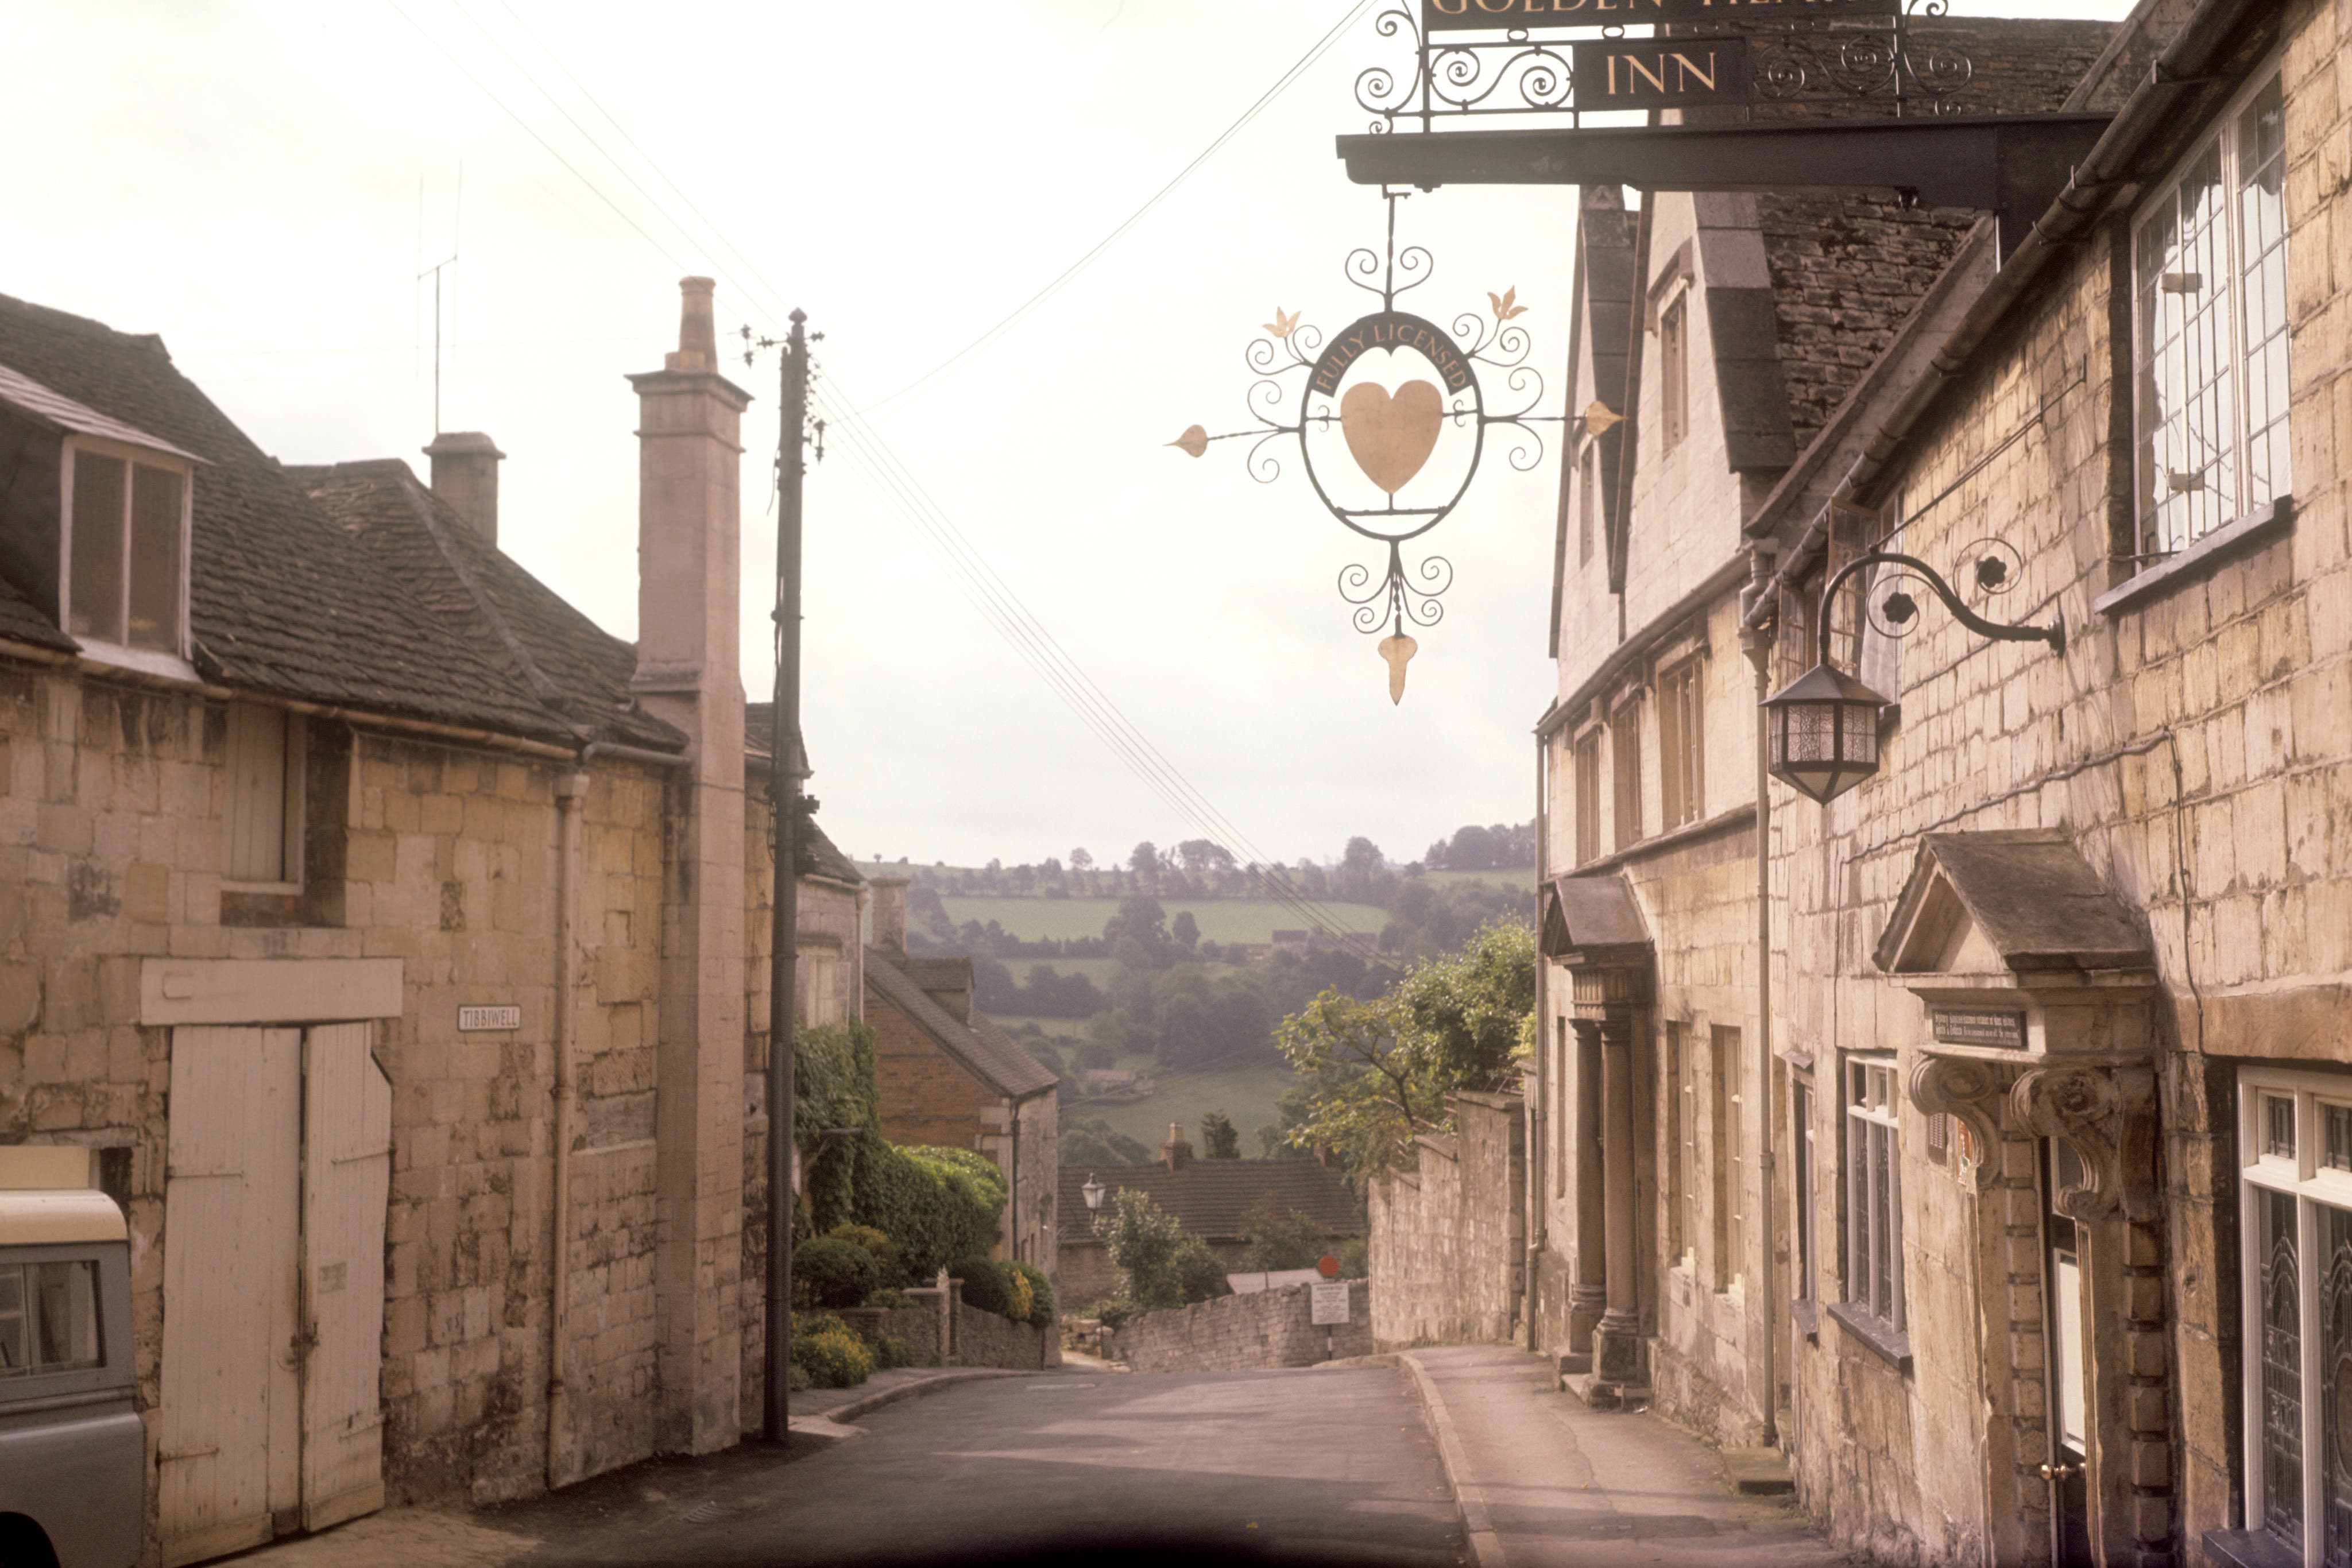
(831, 1272)
(938, 1205)
(833, 1087)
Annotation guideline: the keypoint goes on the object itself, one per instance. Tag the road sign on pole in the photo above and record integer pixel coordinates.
(1327, 1306)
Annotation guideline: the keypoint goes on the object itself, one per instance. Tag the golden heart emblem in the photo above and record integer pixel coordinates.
(1391, 437)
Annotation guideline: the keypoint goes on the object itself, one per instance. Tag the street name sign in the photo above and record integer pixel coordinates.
(476, 1020)
(1328, 1305)
(1461, 15)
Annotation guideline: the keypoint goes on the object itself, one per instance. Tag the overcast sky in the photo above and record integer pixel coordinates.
(262, 182)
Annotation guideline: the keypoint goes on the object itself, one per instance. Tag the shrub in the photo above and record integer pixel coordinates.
(833, 1359)
(833, 1087)
(993, 1287)
(1355, 1259)
(889, 1299)
(890, 1352)
(1040, 1293)
(936, 1205)
(885, 1251)
(828, 1272)
(1166, 1265)
(1117, 1312)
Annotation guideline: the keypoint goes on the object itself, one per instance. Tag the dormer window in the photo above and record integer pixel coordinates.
(126, 548)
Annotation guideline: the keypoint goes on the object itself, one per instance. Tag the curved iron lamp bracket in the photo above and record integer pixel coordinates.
(1912, 566)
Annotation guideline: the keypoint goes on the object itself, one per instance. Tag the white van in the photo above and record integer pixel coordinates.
(73, 1452)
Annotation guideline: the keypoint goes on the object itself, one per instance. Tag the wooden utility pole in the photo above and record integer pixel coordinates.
(787, 768)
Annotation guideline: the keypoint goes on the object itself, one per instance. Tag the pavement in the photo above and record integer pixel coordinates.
(1542, 1480)
(1430, 1458)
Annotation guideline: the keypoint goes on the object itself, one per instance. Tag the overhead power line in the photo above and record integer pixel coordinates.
(1299, 69)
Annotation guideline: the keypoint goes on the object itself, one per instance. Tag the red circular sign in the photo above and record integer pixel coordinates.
(1327, 1265)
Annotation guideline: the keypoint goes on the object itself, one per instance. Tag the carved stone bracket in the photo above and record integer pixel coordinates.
(1963, 1087)
(2106, 1114)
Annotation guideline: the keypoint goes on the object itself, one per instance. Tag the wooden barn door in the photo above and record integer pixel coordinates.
(228, 1435)
(346, 1178)
(279, 1165)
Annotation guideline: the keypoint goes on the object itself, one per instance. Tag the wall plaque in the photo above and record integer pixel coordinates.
(1455, 15)
(475, 1020)
(1979, 1026)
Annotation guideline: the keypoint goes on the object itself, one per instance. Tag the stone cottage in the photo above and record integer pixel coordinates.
(1207, 1198)
(396, 936)
(1977, 1144)
(946, 1075)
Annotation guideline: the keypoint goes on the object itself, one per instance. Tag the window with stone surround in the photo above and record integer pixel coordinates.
(2210, 339)
(1673, 371)
(1682, 747)
(1874, 1193)
(1588, 501)
(1731, 1159)
(1588, 796)
(1625, 759)
(2296, 1147)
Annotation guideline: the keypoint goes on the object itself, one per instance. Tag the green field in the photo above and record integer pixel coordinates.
(1246, 1094)
(1219, 919)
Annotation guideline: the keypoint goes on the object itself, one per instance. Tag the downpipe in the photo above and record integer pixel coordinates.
(570, 791)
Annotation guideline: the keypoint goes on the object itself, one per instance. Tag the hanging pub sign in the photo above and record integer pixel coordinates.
(1391, 422)
(1460, 15)
(1669, 73)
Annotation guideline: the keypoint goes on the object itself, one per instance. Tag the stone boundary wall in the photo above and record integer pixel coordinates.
(981, 1338)
(1265, 1328)
(1449, 1235)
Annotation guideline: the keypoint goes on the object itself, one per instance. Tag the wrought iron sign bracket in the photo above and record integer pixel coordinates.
(2013, 166)
(1898, 607)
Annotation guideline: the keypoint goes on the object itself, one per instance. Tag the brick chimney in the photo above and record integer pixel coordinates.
(1176, 1152)
(465, 475)
(689, 593)
(890, 912)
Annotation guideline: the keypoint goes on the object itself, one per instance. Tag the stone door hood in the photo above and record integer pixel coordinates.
(1593, 921)
(2018, 948)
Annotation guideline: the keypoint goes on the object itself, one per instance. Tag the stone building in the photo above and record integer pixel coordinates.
(396, 936)
(1207, 1198)
(1985, 1151)
(946, 1075)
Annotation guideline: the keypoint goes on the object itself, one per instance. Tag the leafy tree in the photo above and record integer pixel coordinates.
(1096, 1054)
(1203, 855)
(1186, 930)
(1376, 1072)
(1281, 1241)
(1143, 860)
(1165, 1264)
(1219, 1139)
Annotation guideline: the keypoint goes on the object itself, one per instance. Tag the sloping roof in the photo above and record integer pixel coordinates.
(814, 851)
(575, 667)
(280, 601)
(2032, 897)
(48, 406)
(984, 1051)
(21, 621)
(1847, 267)
(1209, 1197)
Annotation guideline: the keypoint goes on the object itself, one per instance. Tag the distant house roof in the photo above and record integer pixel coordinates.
(281, 601)
(573, 665)
(1209, 1197)
(984, 1051)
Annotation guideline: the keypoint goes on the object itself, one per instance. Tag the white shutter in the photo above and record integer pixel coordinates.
(347, 1177)
(254, 835)
(225, 1428)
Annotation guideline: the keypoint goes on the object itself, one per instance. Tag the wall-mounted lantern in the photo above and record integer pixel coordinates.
(1821, 729)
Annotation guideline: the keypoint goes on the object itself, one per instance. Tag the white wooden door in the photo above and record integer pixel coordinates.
(346, 1178)
(227, 1427)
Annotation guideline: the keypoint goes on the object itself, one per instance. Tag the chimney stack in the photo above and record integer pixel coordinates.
(698, 338)
(465, 475)
(1176, 1151)
(889, 913)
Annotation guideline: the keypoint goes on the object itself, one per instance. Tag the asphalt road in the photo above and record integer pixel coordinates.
(1287, 1466)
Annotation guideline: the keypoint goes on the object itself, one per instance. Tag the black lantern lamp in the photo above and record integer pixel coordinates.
(1094, 1192)
(1821, 729)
